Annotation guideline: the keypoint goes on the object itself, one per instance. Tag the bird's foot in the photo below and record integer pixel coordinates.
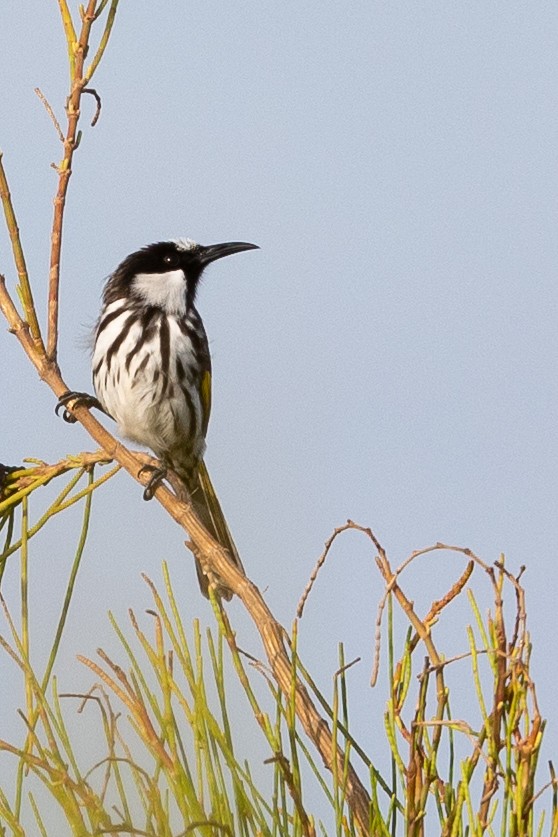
(5, 471)
(81, 398)
(9, 469)
(158, 474)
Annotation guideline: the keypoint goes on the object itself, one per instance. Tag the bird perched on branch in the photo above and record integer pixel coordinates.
(152, 368)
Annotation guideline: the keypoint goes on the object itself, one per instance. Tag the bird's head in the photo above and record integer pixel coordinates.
(166, 274)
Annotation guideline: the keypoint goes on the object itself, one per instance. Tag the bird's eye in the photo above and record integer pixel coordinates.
(171, 260)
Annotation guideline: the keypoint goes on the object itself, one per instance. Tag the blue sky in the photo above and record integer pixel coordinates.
(390, 353)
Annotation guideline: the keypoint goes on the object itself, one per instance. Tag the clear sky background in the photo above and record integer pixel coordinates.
(389, 355)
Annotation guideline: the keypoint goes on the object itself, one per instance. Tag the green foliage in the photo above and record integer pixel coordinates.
(173, 761)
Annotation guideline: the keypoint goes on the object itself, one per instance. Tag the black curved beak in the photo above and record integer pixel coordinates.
(212, 252)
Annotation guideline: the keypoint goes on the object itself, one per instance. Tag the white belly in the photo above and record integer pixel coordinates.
(160, 410)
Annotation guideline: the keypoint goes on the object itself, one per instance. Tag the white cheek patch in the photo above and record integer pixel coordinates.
(162, 290)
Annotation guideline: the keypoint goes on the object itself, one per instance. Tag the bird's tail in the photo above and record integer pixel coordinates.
(207, 507)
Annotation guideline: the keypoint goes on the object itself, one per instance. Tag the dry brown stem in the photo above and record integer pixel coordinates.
(80, 78)
(27, 331)
(271, 631)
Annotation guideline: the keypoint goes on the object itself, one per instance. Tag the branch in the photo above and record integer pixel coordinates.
(23, 480)
(24, 288)
(271, 632)
(105, 37)
(79, 80)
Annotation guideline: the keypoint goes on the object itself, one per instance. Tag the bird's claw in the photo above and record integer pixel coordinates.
(157, 476)
(5, 471)
(82, 398)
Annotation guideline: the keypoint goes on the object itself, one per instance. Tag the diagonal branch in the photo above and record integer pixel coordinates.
(271, 631)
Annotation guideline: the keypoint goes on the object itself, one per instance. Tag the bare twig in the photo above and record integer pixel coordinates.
(305, 822)
(519, 630)
(457, 658)
(346, 667)
(389, 587)
(131, 701)
(319, 564)
(64, 174)
(79, 79)
(97, 98)
(51, 113)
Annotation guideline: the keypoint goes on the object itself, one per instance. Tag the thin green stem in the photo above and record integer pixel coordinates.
(70, 34)
(24, 288)
(71, 583)
(37, 815)
(391, 671)
(7, 543)
(25, 599)
(24, 642)
(31, 478)
(104, 39)
(59, 505)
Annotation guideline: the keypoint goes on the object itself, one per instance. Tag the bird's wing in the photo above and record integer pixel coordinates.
(205, 397)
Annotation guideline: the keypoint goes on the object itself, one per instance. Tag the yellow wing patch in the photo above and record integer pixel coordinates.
(205, 395)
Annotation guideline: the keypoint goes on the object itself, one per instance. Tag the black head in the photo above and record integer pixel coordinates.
(167, 268)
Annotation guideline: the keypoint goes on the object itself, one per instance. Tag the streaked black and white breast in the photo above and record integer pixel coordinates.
(151, 353)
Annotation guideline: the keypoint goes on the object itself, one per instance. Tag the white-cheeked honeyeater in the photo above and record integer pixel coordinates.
(152, 368)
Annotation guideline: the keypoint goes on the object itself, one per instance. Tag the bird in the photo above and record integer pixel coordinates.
(152, 370)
